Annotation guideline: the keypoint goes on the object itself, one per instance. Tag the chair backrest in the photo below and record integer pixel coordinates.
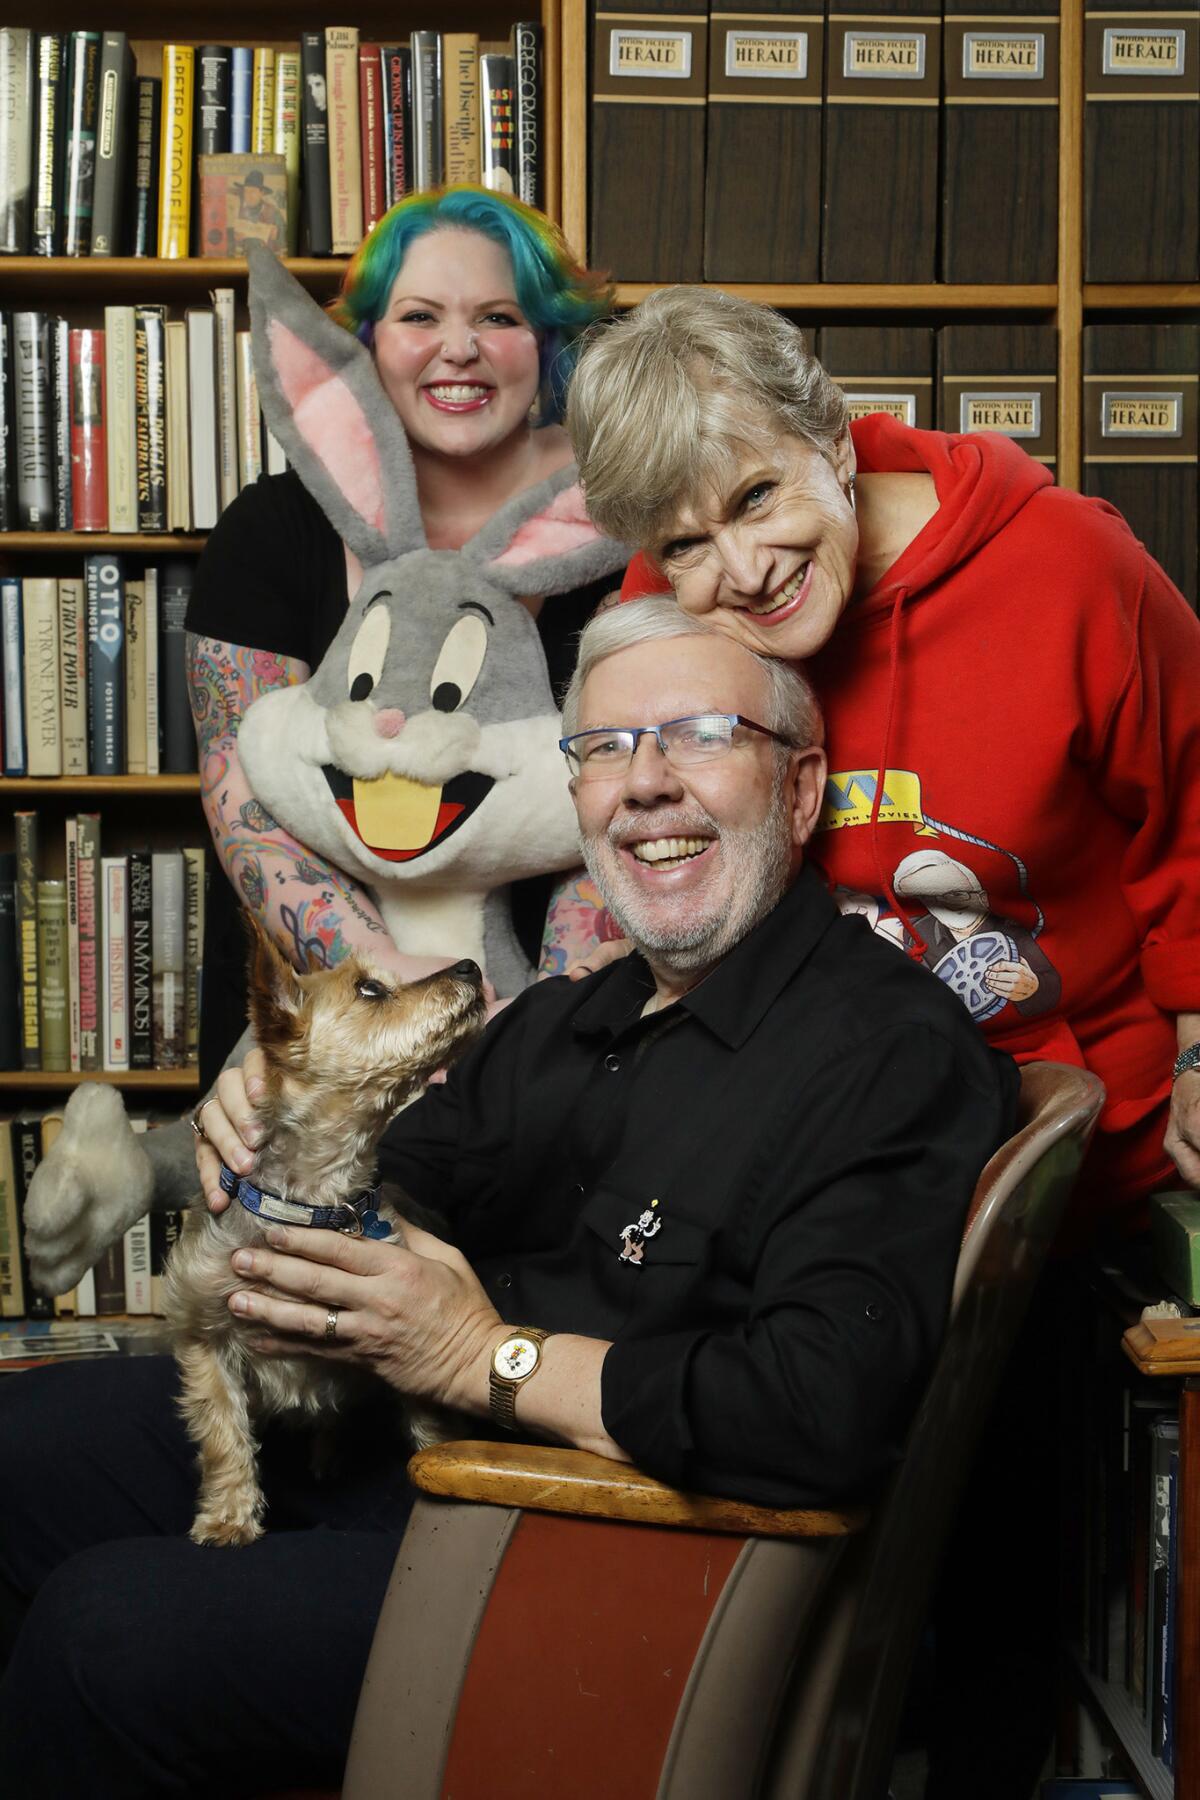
(838, 1727)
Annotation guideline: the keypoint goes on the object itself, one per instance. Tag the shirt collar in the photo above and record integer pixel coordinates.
(732, 1000)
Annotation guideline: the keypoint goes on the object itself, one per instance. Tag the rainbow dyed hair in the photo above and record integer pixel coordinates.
(559, 297)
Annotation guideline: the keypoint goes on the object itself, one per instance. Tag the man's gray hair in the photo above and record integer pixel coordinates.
(666, 399)
(791, 707)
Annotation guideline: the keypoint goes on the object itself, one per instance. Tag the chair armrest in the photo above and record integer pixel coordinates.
(543, 1478)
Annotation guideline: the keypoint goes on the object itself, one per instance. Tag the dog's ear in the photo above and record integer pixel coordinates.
(273, 991)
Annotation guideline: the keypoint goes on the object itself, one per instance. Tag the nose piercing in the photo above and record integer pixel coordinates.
(472, 346)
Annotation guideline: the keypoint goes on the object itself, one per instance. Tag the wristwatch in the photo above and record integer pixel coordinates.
(515, 1358)
(1186, 1060)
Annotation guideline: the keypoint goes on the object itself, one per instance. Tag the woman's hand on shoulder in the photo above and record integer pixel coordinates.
(230, 1127)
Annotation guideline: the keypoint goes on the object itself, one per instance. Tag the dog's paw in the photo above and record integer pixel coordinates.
(94, 1183)
(221, 1529)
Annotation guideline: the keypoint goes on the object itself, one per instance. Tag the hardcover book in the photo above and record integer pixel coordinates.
(649, 80)
(72, 674)
(140, 962)
(17, 106)
(53, 1022)
(1001, 378)
(165, 1228)
(109, 1279)
(13, 648)
(105, 580)
(243, 197)
(249, 413)
(879, 220)
(314, 119)
(398, 88)
(8, 429)
(135, 677)
(460, 74)
(27, 1153)
(113, 139)
(58, 340)
(1142, 119)
(88, 907)
(175, 152)
(120, 416)
(179, 462)
(34, 424)
(43, 716)
(241, 100)
(527, 47)
(12, 1274)
(137, 1266)
(1140, 437)
(262, 100)
(150, 639)
(882, 368)
(89, 450)
(72, 859)
(48, 143)
(427, 140)
(285, 139)
(498, 122)
(147, 156)
(82, 89)
(10, 966)
(345, 155)
(227, 464)
(151, 416)
(372, 143)
(25, 833)
(193, 949)
(202, 412)
(214, 76)
(1000, 111)
(114, 888)
(765, 71)
(178, 736)
(167, 949)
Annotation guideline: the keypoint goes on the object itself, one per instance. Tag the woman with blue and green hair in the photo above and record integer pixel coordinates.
(473, 306)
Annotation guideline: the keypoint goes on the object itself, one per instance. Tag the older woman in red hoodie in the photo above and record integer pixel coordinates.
(1011, 687)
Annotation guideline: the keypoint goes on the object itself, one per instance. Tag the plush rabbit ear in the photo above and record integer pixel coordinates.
(324, 402)
(543, 542)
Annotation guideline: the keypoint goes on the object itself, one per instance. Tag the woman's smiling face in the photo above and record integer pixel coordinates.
(772, 555)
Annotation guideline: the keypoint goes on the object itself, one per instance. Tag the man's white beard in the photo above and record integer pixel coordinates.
(762, 857)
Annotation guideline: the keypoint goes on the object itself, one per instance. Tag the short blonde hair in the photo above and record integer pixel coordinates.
(665, 399)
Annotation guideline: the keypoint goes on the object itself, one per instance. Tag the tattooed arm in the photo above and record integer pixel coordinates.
(305, 903)
(577, 923)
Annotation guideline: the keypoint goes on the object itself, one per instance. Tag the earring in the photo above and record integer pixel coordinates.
(850, 493)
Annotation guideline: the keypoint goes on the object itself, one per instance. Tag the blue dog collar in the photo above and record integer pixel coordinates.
(357, 1218)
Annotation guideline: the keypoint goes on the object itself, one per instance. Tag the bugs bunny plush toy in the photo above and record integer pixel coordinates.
(421, 756)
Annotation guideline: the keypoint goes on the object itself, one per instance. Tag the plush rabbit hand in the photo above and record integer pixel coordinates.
(421, 756)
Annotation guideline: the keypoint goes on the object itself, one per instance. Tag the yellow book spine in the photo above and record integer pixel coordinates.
(262, 104)
(287, 135)
(460, 61)
(175, 159)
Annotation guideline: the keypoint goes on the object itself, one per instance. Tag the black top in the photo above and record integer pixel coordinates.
(273, 577)
(811, 1120)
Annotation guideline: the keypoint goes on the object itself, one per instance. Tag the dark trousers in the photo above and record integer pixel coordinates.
(145, 1664)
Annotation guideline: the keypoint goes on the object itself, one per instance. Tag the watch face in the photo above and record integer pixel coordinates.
(515, 1358)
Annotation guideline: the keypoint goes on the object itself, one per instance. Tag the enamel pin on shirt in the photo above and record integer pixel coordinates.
(633, 1237)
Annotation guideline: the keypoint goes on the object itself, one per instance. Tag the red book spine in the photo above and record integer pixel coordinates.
(370, 116)
(89, 462)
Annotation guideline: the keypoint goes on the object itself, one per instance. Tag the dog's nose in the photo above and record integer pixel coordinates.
(389, 722)
(469, 971)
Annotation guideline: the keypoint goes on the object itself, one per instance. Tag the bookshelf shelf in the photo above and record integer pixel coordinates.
(116, 277)
(22, 1081)
(1144, 297)
(834, 297)
(41, 787)
(1128, 1725)
(25, 543)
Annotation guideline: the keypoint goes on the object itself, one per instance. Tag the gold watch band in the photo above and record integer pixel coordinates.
(502, 1389)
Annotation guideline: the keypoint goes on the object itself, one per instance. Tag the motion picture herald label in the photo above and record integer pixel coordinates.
(656, 55)
(884, 56)
(1136, 415)
(900, 406)
(1004, 56)
(767, 55)
(1143, 52)
(1017, 414)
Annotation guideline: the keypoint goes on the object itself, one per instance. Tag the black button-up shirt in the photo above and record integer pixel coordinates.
(804, 1130)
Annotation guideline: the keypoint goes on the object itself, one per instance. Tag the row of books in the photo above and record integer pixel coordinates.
(150, 424)
(220, 142)
(94, 671)
(897, 145)
(100, 969)
(128, 1277)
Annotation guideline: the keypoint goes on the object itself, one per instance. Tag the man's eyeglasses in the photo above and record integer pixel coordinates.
(699, 738)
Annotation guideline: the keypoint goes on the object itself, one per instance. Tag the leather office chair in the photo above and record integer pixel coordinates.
(563, 1627)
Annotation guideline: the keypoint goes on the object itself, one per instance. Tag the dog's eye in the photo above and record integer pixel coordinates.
(457, 668)
(371, 990)
(368, 651)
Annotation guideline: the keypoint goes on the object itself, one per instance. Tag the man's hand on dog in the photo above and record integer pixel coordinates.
(414, 1313)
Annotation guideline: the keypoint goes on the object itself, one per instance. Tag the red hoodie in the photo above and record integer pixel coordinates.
(1027, 681)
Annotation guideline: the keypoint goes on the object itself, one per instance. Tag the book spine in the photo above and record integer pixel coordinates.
(148, 90)
(85, 1295)
(135, 678)
(285, 136)
(79, 175)
(179, 739)
(72, 858)
(202, 412)
(167, 948)
(314, 115)
(179, 469)
(112, 145)
(137, 1266)
(12, 1275)
(12, 642)
(53, 1022)
(398, 88)
(175, 154)
(460, 66)
(10, 986)
(106, 664)
(385, 115)
(27, 1153)
(72, 675)
(227, 459)
(114, 879)
(120, 416)
(497, 122)
(35, 435)
(16, 138)
(249, 414)
(527, 61)
(241, 99)
(193, 950)
(47, 145)
(140, 962)
(150, 323)
(262, 100)
(165, 1228)
(273, 454)
(89, 453)
(345, 160)
(8, 429)
(214, 75)
(59, 345)
(25, 837)
(371, 140)
(87, 876)
(150, 636)
(426, 49)
(109, 1276)
(43, 717)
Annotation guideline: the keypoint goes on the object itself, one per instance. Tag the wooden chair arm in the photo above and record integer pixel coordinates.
(543, 1478)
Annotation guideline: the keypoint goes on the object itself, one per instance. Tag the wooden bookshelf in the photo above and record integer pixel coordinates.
(43, 1081)
(95, 787)
(48, 543)
(837, 297)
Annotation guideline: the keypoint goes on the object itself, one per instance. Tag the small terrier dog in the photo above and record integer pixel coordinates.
(345, 1048)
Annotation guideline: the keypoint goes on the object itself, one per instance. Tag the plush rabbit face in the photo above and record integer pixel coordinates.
(422, 753)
